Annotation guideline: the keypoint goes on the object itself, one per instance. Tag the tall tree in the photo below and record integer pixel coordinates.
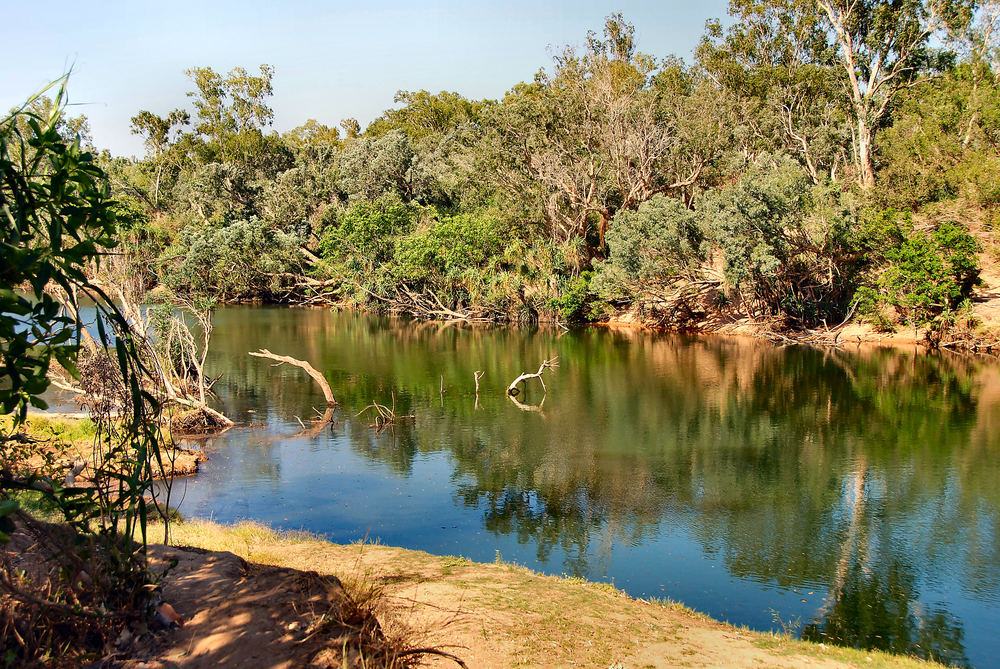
(605, 132)
(875, 49)
(232, 110)
(774, 65)
(883, 47)
(156, 131)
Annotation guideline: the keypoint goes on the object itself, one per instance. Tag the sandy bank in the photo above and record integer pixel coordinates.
(500, 615)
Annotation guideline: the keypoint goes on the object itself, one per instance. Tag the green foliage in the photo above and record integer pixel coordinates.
(57, 216)
(364, 236)
(650, 248)
(425, 115)
(58, 219)
(575, 298)
(785, 244)
(921, 273)
(387, 166)
(451, 245)
(944, 142)
(240, 261)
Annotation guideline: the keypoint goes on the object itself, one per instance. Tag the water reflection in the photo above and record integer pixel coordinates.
(878, 608)
(856, 489)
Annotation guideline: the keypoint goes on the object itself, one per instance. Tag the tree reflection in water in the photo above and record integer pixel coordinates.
(864, 473)
(879, 610)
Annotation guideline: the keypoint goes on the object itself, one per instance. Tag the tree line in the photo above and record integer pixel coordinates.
(817, 160)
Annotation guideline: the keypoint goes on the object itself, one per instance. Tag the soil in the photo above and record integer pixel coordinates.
(237, 614)
(489, 615)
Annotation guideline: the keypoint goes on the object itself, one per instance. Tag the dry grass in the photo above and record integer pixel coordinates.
(507, 615)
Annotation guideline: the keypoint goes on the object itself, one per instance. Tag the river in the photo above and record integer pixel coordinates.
(850, 495)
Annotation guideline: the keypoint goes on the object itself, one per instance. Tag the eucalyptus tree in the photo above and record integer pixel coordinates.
(160, 134)
(884, 48)
(231, 110)
(600, 137)
(875, 50)
(233, 155)
(774, 65)
(426, 114)
(312, 133)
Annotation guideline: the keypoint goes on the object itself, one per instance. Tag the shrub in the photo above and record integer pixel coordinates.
(450, 246)
(364, 236)
(650, 247)
(922, 273)
(575, 298)
(786, 244)
(242, 260)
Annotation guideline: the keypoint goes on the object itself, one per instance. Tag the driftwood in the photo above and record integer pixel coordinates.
(384, 416)
(302, 364)
(75, 470)
(513, 390)
(477, 375)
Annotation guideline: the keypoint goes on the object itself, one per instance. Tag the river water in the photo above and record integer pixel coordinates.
(852, 495)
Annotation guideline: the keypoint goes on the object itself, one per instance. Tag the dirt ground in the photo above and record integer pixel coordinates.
(489, 615)
(238, 614)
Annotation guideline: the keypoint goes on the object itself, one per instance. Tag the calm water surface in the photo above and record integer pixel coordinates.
(854, 494)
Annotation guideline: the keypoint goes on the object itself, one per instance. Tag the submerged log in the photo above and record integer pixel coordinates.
(513, 390)
(302, 364)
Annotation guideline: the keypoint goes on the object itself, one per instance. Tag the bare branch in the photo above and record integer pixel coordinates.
(302, 364)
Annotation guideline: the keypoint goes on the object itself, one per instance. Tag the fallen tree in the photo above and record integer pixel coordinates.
(513, 390)
(301, 364)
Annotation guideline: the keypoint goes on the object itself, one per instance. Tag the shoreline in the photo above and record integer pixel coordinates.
(504, 614)
(984, 342)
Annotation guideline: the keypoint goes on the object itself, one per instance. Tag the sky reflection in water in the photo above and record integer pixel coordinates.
(854, 492)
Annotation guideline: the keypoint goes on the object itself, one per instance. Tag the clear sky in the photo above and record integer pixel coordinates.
(332, 60)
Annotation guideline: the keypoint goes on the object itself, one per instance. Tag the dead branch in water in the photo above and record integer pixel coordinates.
(477, 375)
(302, 364)
(513, 390)
(384, 416)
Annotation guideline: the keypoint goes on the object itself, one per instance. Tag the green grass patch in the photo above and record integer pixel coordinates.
(53, 428)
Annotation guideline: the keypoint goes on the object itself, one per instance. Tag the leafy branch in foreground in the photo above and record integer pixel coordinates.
(86, 576)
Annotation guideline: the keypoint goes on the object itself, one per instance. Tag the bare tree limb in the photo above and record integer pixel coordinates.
(512, 389)
(302, 364)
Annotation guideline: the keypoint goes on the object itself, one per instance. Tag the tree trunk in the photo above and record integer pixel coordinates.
(866, 173)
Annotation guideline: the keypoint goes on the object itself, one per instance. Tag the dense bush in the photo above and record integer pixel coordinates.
(650, 248)
(239, 261)
(920, 273)
(451, 245)
(87, 578)
(734, 184)
(364, 236)
(945, 142)
(784, 242)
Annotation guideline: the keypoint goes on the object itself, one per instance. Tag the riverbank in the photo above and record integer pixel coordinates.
(64, 443)
(500, 615)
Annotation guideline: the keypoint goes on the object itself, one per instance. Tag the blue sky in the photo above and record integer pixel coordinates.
(333, 60)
